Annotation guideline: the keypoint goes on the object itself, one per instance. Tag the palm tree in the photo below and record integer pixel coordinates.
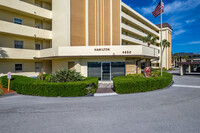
(165, 44)
(149, 40)
(185, 56)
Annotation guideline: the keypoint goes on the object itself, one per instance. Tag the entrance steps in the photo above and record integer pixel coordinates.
(105, 89)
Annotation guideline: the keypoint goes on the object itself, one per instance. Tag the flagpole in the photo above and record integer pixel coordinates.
(161, 39)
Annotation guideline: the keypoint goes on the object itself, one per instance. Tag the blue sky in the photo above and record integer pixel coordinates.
(182, 15)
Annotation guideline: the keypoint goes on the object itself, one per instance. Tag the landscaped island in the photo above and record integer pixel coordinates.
(66, 83)
(69, 83)
(138, 83)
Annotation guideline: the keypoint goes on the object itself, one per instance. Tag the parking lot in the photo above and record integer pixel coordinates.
(171, 110)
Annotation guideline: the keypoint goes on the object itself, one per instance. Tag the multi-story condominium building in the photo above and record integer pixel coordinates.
(100, 38)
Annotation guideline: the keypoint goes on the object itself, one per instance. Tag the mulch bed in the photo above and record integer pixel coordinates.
(6, 90)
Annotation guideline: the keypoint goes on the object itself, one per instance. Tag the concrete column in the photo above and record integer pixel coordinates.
(130, 66)
(133, 66)
(181, 70)
(148, 62)
(138, 67)
(189, 68)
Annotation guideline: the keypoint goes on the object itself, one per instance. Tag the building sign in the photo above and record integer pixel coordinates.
(126, 52)
(102, 49)
(9, 75)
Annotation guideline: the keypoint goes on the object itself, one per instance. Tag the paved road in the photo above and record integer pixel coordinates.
(172, 110)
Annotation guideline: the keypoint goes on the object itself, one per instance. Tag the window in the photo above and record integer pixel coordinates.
(94, 69)
(18, 44)
(37, 46)
(38, 67)
(117, 69)
(18, 67)
(18, 21)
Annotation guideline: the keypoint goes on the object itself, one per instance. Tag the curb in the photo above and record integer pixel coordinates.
(9, 94)
(169, 85)
(105, 94)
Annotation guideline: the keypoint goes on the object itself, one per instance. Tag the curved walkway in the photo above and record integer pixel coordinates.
(172, 110)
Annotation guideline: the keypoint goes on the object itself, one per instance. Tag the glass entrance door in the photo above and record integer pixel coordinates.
(106, 72)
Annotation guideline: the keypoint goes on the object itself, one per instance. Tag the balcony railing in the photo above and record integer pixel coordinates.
(22, 30)
(26, 8)
(13, 53)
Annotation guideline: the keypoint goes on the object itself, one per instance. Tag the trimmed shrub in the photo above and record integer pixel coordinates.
(1, 92)
(136, 75)
(30, 86)
(129, 84)
(158, 69)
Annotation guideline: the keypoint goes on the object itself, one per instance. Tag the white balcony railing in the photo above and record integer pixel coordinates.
(17, 5)
(13, 53)
(22, 30)
(133, 30)
(141, 25)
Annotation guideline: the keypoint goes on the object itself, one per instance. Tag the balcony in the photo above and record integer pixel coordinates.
(13, 53)
(131, 39)
(22, 30)
(139, 24)
(25, 8)
(137, 15)
(133, 30)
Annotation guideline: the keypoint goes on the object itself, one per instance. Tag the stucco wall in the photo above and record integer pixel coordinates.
(29, 43)
(9, 17)
(28, 66)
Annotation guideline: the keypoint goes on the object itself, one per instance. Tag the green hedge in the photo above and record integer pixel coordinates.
(30, 86)
(128, 84)
(1, 92)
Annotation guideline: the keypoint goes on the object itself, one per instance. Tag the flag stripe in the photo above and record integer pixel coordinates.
(157, 11)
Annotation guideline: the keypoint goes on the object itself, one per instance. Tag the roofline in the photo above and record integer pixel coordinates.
(139, 15)
(87, 56)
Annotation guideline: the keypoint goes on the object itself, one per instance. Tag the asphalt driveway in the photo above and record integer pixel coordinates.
(172, 110)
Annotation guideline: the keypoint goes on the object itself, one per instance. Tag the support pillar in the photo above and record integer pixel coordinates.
(189, 68)
(148, 62)
(181, 70)
(133, 66)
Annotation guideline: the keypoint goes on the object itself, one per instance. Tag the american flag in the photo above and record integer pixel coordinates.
(157, 11)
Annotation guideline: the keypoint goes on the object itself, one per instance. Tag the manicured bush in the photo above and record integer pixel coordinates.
(136, 75)
(131, 84)
(1, 92)
(30, 86)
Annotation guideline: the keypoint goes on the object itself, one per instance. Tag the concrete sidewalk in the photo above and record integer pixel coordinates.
(105, 89)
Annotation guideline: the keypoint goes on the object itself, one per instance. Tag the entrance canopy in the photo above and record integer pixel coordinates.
(185, 65)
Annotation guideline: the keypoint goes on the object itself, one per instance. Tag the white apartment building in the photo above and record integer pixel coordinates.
(101, 38)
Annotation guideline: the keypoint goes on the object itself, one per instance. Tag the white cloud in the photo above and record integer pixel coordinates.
(190, 21)
(195, 42)
(179, 6)
(154, 1)
(148, 10)
(176, 6)
(178, 32)
(190, 43)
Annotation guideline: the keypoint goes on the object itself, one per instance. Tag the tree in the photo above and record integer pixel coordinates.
(149, 40)
(165, 44)
(185, 56)
(3, 53)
